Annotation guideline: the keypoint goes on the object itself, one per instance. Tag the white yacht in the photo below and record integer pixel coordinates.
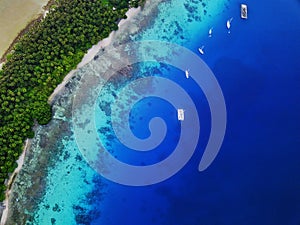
(180, 114)
(244, 11)
(187, 74)
(228, 24)
(201, 50)
(210, 32)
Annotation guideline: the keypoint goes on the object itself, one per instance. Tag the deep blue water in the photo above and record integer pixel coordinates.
(255, 179)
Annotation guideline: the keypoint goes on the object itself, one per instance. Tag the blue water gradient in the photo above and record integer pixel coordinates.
(255, 179)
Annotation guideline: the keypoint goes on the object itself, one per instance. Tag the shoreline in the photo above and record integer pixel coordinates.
(91, 53)
(10, 182)
(86, 59)
(37, 18)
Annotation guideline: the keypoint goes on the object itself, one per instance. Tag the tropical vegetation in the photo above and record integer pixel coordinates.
(38, 63)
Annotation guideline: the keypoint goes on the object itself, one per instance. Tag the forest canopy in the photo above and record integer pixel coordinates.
(38, 63)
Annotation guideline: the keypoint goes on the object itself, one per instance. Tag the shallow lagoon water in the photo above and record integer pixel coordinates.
(255, 178)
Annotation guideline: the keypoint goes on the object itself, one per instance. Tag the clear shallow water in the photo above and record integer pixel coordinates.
(255, 178)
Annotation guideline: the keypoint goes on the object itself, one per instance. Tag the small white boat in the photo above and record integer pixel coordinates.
(187, 74)
(228, 24)
(201, 50)
(244, 11)
(210, 32)
(180, 114)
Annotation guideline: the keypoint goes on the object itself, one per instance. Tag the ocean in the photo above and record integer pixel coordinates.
(255, 176)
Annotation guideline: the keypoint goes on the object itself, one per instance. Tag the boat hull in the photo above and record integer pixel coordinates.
(244, 11)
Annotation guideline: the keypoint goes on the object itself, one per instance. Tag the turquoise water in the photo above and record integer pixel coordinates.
(255, 178)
